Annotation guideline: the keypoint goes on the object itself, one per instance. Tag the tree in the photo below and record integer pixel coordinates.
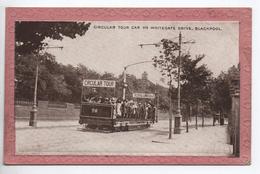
(63, 83)
(193, 77)
(195, 80)
(167, 62)
(167, 59)
(74, 76)
(51, 82)
(221, 99)
(24, 76)
(29, 36)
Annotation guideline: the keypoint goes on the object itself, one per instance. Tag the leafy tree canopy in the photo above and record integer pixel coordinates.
(63, 83)
(221, 98)
(194, 77)
(29, 35)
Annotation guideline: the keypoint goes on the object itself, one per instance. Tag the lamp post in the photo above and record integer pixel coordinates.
(33, 112)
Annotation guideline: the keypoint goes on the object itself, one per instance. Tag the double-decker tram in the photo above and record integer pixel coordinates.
(101, 109)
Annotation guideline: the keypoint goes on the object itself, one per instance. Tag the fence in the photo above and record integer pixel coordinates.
(47, 110)
(23, 102)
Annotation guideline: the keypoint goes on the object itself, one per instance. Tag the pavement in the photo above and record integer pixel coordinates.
(70, 138)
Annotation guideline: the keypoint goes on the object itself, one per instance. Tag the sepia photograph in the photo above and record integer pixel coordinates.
(132, 88)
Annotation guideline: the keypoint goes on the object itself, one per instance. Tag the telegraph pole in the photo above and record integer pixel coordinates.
(177, 118)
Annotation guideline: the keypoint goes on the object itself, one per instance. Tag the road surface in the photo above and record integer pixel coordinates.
(69, 138)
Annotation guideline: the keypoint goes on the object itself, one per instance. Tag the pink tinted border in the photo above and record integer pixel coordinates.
(243, 15)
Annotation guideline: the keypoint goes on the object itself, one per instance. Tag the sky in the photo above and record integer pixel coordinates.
(111, 45)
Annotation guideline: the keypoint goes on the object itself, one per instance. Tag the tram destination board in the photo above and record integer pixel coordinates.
(99, 83)
(144, 95)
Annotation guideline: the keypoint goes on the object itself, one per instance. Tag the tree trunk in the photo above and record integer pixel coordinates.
(196, 117)
(202, 120)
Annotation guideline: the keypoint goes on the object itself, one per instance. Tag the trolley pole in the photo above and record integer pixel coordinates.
(124, 75)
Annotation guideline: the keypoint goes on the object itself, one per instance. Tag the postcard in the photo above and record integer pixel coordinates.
(128, 86)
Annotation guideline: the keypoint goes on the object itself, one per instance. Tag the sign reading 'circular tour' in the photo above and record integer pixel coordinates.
(99, 83)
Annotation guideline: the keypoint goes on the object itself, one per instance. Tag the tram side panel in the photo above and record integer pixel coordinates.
(103, 116)
(96, 115)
